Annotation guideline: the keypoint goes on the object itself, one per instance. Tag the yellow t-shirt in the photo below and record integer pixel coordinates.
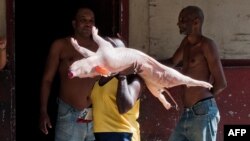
(106, 117)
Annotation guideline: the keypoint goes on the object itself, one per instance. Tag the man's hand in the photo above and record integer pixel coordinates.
(44, 123)
(133, 69)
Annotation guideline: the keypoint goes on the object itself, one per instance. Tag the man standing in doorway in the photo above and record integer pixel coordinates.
(74, 97)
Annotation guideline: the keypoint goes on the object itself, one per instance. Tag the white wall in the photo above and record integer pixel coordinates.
(138, 25)
(153, 29)
(2, 18)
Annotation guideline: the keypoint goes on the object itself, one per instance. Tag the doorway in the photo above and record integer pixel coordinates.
(38, 24)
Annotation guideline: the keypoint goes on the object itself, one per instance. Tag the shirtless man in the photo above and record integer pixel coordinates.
(200, 59)
(74, 97)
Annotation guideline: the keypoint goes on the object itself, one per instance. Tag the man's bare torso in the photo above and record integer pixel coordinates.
(195, 65)
(75, 91)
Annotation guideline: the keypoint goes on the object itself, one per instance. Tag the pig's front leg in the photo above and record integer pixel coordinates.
(84, 51)
(99, 40)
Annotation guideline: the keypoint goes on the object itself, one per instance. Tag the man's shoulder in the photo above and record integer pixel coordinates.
(208, 41)
(209, 45)
(61, 41)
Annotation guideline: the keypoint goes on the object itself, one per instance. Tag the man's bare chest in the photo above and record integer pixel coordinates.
(193, 56)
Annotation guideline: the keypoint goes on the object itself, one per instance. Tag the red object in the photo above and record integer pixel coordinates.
(102, 70)
(81, 120)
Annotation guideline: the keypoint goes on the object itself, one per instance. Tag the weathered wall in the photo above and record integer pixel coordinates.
(158, 123)
(138, 25)
(153, 26)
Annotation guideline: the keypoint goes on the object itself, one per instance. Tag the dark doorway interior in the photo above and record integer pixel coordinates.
(38, 23)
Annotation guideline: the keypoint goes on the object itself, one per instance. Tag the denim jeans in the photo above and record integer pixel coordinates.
(67, 127)
(198, 123)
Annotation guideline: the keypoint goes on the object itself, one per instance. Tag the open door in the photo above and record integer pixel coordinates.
(38, 24)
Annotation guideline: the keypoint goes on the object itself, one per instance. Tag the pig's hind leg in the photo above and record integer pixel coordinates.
(158, 93)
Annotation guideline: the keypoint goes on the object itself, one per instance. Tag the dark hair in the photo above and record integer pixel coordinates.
(81, 5)
(194, 12)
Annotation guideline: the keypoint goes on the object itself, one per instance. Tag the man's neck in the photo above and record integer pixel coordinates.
(83, 40)
(194, 39)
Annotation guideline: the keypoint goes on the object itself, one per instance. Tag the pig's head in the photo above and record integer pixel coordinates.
(83, 68)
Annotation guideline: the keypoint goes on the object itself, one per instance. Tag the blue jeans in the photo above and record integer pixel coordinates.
(67, 127)
(198, 123)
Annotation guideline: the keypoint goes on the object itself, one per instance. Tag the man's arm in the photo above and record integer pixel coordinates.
(103, 80)
(218, 77)
(49, 73)
(128, 92)
(176, 59)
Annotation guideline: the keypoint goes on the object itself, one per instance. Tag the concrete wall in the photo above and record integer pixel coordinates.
(2, 18)
(138, 25)
(153, 29)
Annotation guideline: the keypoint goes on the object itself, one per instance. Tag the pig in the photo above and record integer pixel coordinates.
(158, 77)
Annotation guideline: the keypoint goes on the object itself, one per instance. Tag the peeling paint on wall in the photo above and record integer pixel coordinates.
(226, 22)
